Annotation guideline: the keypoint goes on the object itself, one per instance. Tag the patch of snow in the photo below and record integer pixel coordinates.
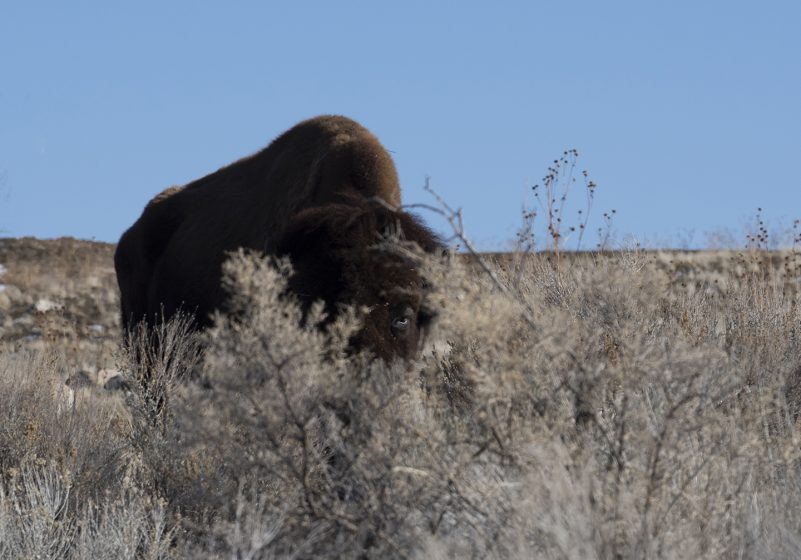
(97, 329)
(2, 287)
(3, 269)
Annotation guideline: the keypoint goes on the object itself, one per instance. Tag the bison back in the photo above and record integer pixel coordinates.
(171, 258)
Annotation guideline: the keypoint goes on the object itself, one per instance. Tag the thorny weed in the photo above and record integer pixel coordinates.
(551, 196)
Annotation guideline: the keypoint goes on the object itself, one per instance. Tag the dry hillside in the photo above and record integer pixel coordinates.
(617, 405)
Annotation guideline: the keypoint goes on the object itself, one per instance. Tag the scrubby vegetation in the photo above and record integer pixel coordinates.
(605, 407)
(625, 404)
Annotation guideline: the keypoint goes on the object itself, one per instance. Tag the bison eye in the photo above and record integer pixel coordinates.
(402, 319)
(400, 323)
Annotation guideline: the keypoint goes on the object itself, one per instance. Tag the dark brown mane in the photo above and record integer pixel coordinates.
(339, 255)
(359, 223)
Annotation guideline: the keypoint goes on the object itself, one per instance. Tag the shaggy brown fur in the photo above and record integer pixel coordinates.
(310, 195)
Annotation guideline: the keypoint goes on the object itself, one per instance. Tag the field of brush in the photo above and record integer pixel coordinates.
(599, 405)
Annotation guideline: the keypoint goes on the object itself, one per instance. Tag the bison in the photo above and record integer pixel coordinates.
(323, 193)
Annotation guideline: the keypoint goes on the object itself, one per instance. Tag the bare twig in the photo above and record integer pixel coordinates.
(454, 219)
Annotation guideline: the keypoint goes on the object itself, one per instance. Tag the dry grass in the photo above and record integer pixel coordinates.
(620, 405)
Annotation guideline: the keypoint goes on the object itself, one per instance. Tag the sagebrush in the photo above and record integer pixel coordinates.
(597, 409)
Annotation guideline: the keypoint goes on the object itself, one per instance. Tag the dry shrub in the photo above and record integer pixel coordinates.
(645, 394)
(158, 360)
(43, 421)
(344, 453)
(68, 471)
(39, 519)
(595, 410)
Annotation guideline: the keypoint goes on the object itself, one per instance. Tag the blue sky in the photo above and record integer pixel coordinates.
(686, 114)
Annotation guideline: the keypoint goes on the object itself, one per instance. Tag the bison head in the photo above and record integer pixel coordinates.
(340, 255)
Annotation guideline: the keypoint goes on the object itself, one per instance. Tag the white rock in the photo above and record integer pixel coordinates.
(3, 269)
(45, 305)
